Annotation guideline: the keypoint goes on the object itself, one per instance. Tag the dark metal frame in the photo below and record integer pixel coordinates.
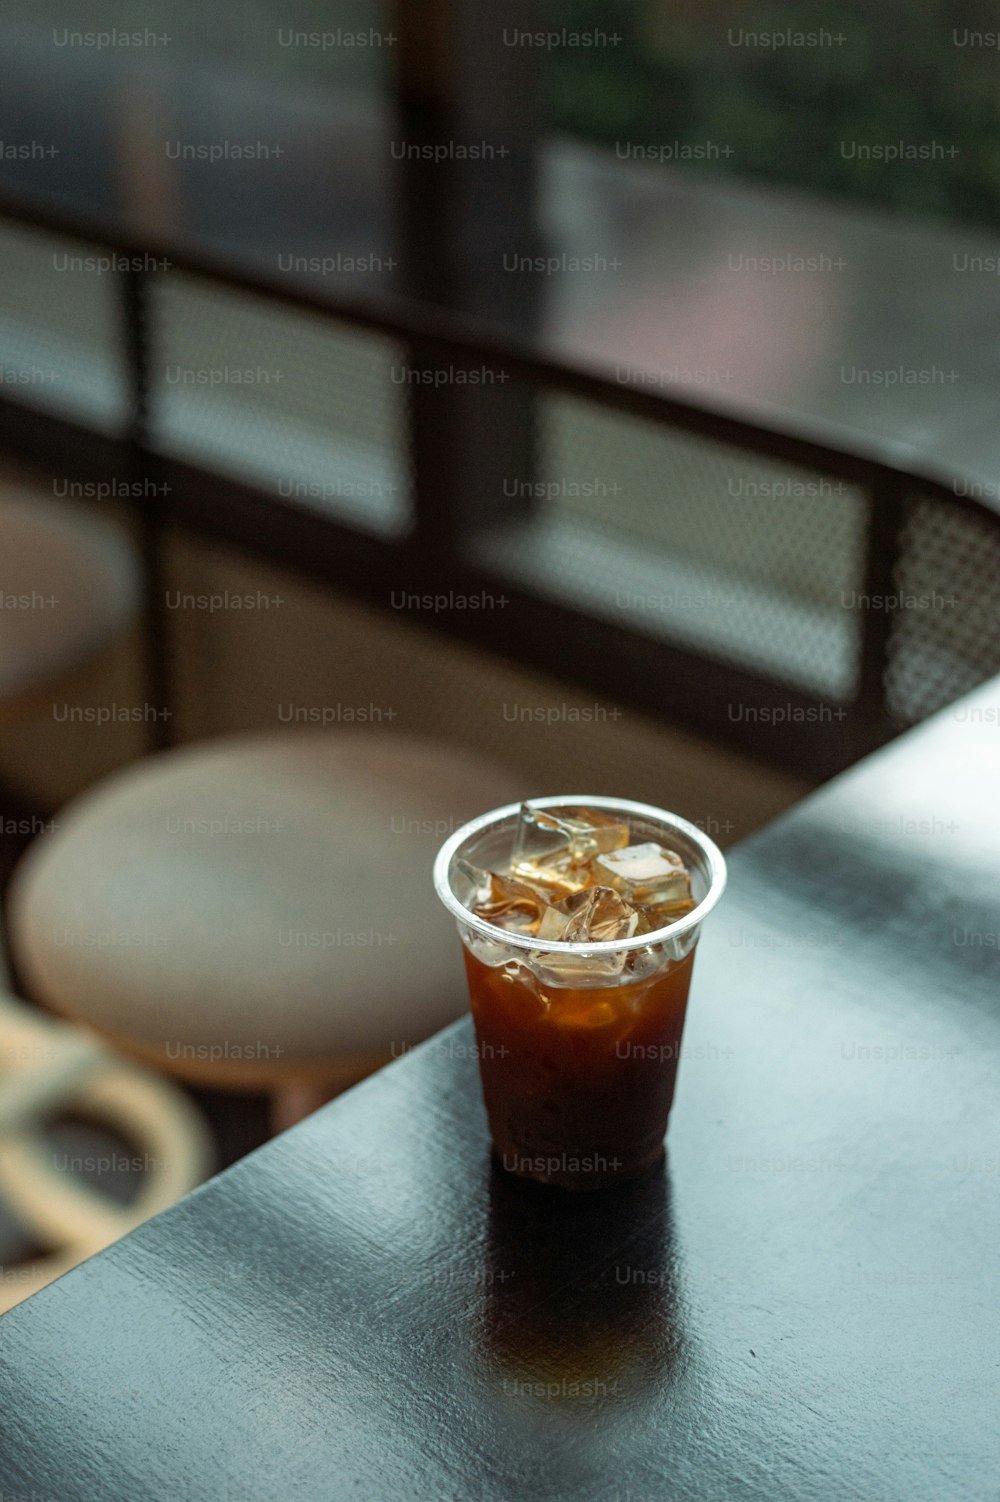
(626, 666)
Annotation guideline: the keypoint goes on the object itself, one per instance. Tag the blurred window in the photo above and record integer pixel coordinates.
(892, 104)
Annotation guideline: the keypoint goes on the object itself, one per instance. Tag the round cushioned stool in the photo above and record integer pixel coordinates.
(69, 583)
(256, 912)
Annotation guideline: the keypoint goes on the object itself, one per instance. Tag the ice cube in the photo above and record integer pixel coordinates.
(542, 854)
(493, 953)
(648, 876)
(560, 967)
(554, 921)
(598, 914)
(593, 915)
(508, 903)
(593, 833)
(669, 912)
(553, 850)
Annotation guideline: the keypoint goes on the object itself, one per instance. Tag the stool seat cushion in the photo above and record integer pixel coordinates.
(268, 893)
(69, 582)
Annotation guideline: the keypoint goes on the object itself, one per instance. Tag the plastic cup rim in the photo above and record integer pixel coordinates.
(709, 849)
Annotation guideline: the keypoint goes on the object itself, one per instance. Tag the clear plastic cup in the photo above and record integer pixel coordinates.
(578, 1043)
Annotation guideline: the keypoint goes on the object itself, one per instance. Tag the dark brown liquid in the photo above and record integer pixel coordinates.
(578, 1083)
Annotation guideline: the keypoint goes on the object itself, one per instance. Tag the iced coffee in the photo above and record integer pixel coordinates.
(579, 921)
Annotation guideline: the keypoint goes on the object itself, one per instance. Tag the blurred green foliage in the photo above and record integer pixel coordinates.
(800, 115)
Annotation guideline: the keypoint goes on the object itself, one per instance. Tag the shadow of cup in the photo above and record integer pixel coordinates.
(579, 1291)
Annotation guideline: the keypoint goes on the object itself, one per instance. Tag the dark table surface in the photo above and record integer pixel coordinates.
(803, 1305)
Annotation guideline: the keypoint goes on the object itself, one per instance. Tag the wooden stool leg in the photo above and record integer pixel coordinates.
(293, 1100)
(297, 1097)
